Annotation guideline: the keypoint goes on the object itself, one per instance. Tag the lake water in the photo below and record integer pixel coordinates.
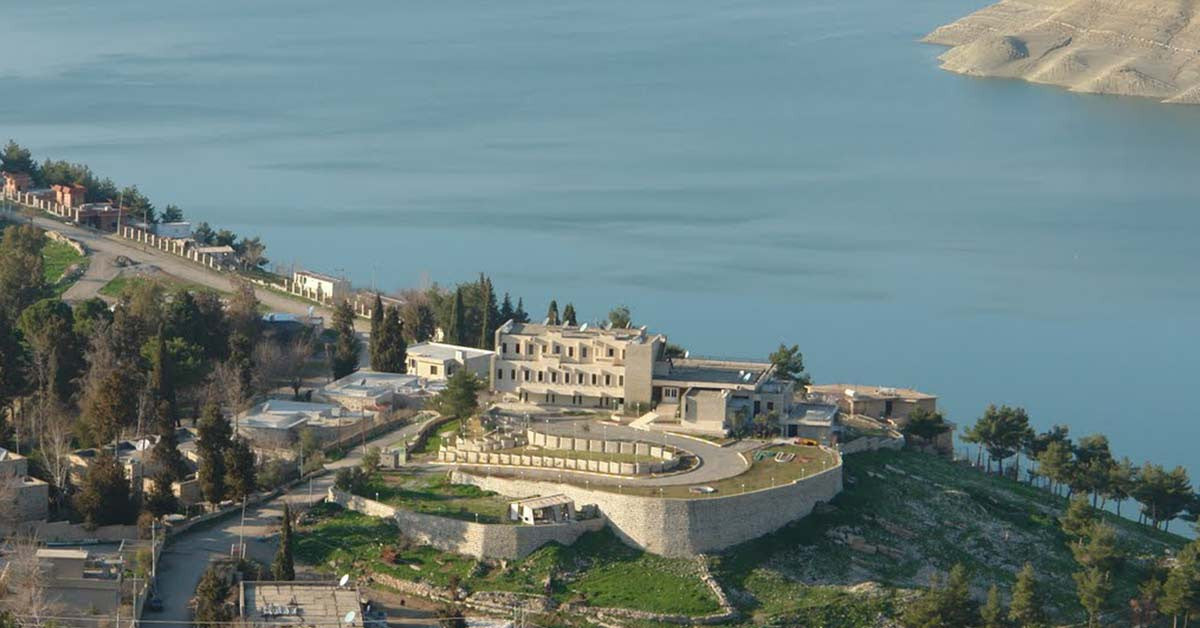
(738, 173)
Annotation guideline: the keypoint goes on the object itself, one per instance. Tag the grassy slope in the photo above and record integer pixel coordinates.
(58, 256)
(947, 513)
(123, 283)
(434, 494)
(598, 567)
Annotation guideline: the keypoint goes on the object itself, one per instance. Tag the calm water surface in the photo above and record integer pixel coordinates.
(739, 173)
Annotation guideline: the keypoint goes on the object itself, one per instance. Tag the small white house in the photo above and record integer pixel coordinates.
(438, 361)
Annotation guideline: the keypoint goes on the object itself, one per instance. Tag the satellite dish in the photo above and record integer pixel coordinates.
(344, 580)
(349, 618)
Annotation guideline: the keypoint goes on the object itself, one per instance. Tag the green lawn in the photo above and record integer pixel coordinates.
(934, 513)
(434, 494)
(57, 257)
(435, 440)
(598, 568)
(124, 283)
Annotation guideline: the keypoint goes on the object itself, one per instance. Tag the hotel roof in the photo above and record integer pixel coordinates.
(439, 351)
(715, 372)
(300, 603)
(585, 330)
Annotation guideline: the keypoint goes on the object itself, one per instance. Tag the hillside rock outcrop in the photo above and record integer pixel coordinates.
(1147, 48)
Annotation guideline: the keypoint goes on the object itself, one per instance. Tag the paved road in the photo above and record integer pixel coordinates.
(104, 248)
(187, 555)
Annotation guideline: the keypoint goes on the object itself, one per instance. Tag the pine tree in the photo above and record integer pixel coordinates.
(460, 398)
(104, 498)
(569, 315)
(1078, 518)
(376, 330)
(212, 596)
(520, 315)
(552, 313)
(456, 332)
(214, 439)
(992, 611)
(347, 344)
(161, 500)
(391, 350)
(1026, 608)
(283, 568)
(1094, 586)
(1181, 592)
(944, 605)
(240, 476)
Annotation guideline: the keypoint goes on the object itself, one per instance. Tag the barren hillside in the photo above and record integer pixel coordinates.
(1148, 48)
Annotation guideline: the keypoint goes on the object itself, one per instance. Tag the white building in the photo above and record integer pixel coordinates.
(365, 389)
(320, 288)
(437, 361)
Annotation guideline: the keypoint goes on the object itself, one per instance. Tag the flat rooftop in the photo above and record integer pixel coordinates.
(365, 382)
(300, 603)
(281, 414)
(813, 413)
(715, 371)
(440, 351)
(867, 392)
(585, 330)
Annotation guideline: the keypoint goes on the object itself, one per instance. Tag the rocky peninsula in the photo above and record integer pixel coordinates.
(1147, 48)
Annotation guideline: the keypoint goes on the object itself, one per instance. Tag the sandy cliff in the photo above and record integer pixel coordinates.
(1147, 48)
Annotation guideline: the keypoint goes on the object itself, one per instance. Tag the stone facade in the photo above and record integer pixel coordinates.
(481, 540)
(685, 527)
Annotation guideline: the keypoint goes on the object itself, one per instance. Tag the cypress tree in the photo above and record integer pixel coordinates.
(488, 315)
(392, 348)
(458, 325)
(569, 315)
(240, 476)
(552, 313)
(520, 315)
(376, 329)
(214, 439)
(347, 345)
(166, 453)
(507, 312)
(283, 568)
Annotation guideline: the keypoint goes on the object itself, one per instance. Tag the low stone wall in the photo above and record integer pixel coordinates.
(58, 237)
(481, 540)
(684, 527)
(67, 532)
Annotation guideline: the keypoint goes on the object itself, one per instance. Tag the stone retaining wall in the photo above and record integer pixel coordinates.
(481, 540)
(684, 527)
(872, 443)
(668, 457)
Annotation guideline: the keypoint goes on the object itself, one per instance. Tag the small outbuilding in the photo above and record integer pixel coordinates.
(536, 510)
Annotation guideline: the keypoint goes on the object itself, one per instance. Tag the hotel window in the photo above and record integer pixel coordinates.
(504, 347)
(593, 379)
(553, 377)
(622, 354)
(526, 375)
(620, 380)
(570, 352)
(610, 352)
(433, 370)
(499, 373)
(670, 393)
(517, 348)
(543, 349)
(541, 376)
(512, 374)
(583, 352)
(579, 379)
(557, 349)
(770, 406)
(607, 379)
